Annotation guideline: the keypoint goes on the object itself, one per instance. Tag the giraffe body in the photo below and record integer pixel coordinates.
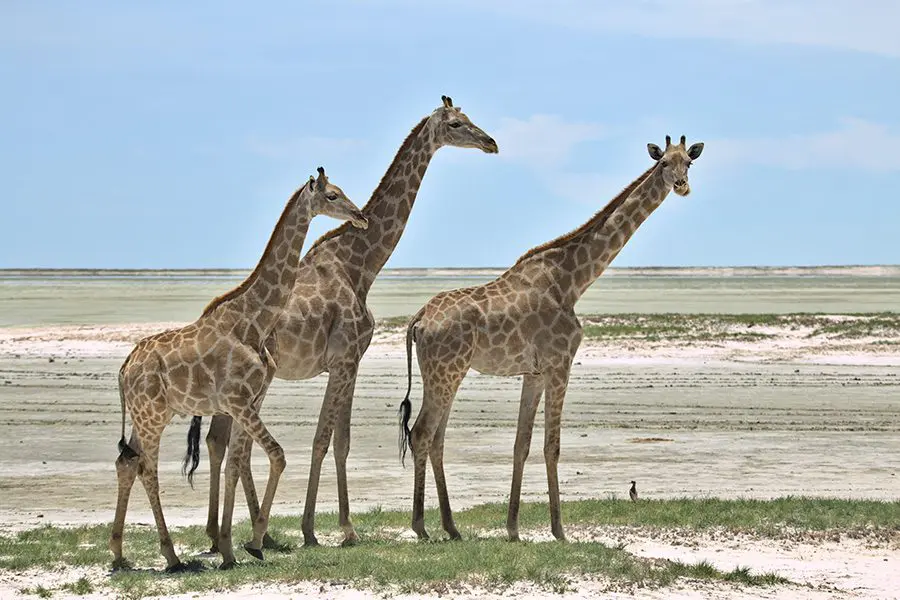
(220, 364)
(522, 323)
(327, 326)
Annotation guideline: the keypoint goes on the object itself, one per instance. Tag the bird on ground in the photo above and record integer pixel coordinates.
(632, 493)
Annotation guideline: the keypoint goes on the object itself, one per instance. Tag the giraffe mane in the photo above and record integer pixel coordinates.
(598, 219)
(266, 253)
(366, 210)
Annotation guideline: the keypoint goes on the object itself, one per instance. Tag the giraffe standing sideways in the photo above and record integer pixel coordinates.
(327, 325)
(220, 363)
(523, 323)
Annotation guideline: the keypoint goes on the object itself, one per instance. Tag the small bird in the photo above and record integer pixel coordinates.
(632, 493)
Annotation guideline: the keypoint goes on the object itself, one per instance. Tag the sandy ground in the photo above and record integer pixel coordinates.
(737, 419)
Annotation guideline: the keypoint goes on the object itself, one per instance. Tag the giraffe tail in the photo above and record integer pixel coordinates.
(125, 451)
(405, 440)
(192, 456)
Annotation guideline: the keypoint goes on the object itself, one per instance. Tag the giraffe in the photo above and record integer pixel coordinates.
(220, 363)
(522, 323)
(327, 326)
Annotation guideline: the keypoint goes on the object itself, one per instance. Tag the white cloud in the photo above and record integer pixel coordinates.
(869, 26)
(856, 144)
(323, 147)
(542, 141)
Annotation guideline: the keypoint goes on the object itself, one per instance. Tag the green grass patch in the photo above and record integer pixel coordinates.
(382, 562)
(688, 328)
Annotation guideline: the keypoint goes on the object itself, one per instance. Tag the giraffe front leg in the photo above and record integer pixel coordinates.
(555, 384)
(341, 451)
(340, 385)
(216, 445)
(532, 388)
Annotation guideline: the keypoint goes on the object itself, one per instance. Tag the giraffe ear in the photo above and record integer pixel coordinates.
(655, 152)
(322, 180)
(312, 182)
(695, 150)
(448, 103)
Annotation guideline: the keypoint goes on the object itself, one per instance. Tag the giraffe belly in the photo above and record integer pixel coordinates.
(498, 361)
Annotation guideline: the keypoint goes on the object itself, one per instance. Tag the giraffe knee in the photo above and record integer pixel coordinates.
(277, 462)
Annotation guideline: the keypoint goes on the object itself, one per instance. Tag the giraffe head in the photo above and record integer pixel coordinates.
(451, 127)
(328, 199)
(675, 162)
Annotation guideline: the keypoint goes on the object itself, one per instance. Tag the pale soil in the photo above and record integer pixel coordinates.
(788, 415)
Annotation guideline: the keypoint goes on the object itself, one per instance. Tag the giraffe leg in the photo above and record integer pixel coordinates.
(555, 384)
(126, 473)
(532, 388)
(216, 445)
(148, 472)
(251, 496)
(437, 401)
(340, 386)
(232, 474)
(253, 426)
(436, 452)
(341, 451)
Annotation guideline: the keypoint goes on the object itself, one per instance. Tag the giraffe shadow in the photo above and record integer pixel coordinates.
(191, 566)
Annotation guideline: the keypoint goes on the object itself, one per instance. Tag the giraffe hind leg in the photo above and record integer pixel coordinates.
(126, 473)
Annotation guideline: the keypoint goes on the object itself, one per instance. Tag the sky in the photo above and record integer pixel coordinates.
(170, 134)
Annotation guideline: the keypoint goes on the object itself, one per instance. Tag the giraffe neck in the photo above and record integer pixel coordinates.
(363, 252)
(254, 307)
(570, 264)
(602, 242)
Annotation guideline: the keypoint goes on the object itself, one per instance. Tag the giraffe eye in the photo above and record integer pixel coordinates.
(455, 124)
(332, 196)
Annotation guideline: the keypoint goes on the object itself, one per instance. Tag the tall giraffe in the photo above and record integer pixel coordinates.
(220, 363)
(522, 323)
(327, 325)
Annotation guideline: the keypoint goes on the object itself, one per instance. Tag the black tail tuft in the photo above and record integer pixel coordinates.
(405, 440)
(192, 456)
(126, 451)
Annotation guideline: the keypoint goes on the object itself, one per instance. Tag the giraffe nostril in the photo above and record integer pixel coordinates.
(680, 183)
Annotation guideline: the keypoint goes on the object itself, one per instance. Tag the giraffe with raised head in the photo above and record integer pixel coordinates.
(522, 323)
(327, 326)
(219, 364)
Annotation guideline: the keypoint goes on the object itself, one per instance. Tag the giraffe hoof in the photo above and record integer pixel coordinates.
(225, 566)
(254, 552)
(311, 543)
(350, 542)
(455, 537)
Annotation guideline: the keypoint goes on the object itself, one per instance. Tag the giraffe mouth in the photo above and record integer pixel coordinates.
(682, 190)
(359, 220)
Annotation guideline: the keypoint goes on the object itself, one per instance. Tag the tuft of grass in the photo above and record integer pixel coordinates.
(82, 586)
(39, 591)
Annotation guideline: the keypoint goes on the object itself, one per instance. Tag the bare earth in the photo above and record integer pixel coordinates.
(786, 415)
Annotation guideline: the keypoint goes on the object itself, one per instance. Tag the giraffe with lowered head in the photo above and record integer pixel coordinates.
(523, 323)
(327, 326)
(219, 364)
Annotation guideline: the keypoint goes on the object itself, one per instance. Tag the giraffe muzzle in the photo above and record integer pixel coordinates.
(682, 187)
(359, 220)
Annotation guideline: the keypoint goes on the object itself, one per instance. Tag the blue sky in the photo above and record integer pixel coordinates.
(170, 134)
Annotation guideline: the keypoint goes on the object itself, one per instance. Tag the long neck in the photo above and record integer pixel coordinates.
(573, 262)
(256, 304)
(363, 252)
